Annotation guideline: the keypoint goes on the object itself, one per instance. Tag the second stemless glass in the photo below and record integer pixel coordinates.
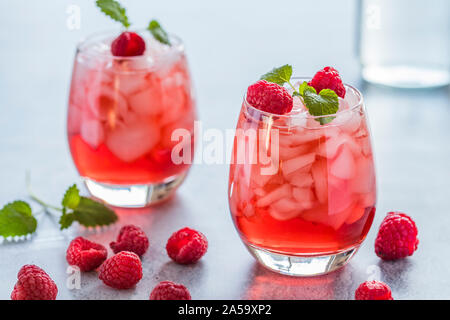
(302, 194)
(122, 113)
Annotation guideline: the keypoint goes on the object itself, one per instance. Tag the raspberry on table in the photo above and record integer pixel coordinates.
(186, 246)
(328, 78)
(131, 238)
(269, 97)
(397, 237)
(373, 290)
(85, 254)
(122, 271)
(167, 290)
(128, 44)
(34, 284)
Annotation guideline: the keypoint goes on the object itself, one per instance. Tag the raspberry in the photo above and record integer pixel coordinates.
(373, 290)
(121, 271)
(397, 237)
(167, 290)
(186, 246)
(128, 44)
(34, 284)
(328, 78)
(85, 254)
(131, 238)
(269, 97)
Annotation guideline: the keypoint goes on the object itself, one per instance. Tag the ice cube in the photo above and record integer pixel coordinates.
(285, 209)
(147, 101)
(329, 149)
(128, 143)
(287, 153)
(297, 163)
(301, 179)
(283, 191)
(92, 132)
(304, 196)
(348, 121)
(105, 102)
(300, 136)
(132, 82)
(364, 180)
(340, 196)
(368, 199)
(319, 172)
(344, 165)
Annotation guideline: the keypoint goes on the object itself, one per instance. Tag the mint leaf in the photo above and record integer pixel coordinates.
(114, 10)
(279, 75)
(91, 213)
(71, 197)
(66, 220)
(324, 103)
(16, 219)
(158, 32)
(304, 86)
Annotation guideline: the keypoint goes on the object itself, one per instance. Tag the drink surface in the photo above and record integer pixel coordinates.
(122, 113)
(319, 196)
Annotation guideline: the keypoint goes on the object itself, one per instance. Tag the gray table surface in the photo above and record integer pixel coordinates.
(229, 44)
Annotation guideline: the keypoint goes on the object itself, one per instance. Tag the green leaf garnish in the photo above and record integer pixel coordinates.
(87, 212)
(16, 219)
(114, 10)
(279, 75)
(71, 197)
(324, 103)
(158, 32)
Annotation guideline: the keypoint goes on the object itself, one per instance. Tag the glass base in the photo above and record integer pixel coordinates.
(133, 196)
(301, 266)
(410, 77)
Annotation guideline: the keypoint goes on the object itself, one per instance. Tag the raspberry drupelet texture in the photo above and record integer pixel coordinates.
(328, 78)
(269, 97)
(85, 254)
(128, 44)
(34, 284)
(373, 290)
(122, 271)
(397, 237)
(167, 290)
(131, 238)
(186, 246)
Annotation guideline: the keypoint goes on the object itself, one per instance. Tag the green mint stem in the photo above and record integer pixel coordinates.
(289, 83)
(36, 199)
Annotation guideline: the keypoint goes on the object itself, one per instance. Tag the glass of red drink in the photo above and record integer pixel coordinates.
(123, 112)
(302, 191)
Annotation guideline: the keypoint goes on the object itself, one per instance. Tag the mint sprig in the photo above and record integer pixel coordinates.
(16, 219)
(114, 10)
(85, 211)
(158, 32)
(279, 75)
(320, 104)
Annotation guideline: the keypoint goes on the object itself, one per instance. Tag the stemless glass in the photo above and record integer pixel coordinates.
(302, 189)
(122, 114)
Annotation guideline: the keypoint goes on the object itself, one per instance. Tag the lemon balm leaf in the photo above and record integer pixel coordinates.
(279, 75)
(16, 219)
(114, 10)
(322, 104)
(158, 32)
(71, 198)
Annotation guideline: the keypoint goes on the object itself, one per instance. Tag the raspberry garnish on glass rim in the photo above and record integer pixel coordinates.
(320, 95)
(129, 44)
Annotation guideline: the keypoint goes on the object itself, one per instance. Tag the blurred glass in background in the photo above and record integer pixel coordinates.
(405, 43)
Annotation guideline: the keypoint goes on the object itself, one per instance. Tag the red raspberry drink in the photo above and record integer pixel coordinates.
(123, 111)
(306, 207)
